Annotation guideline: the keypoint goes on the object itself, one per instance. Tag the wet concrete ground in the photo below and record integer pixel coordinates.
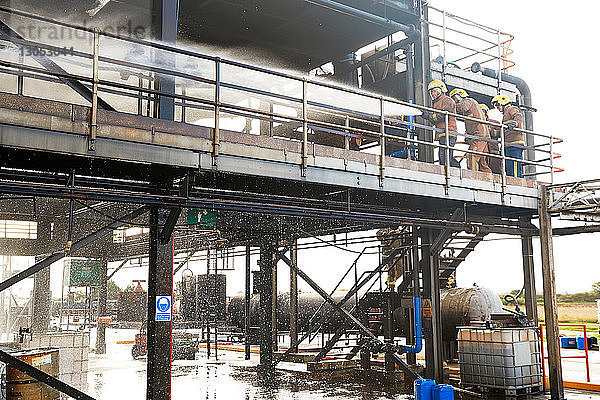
(117, 375)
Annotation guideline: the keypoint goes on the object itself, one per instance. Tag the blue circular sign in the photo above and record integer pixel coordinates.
(163, 304)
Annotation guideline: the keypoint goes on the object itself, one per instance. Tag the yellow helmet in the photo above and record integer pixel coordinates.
(484, 108)
(460, 92)
(437, 84)
(500, 99)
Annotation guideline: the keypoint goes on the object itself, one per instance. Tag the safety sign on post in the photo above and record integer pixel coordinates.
(163, 308)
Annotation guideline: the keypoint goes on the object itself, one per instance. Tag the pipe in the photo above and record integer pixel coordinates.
(418, 346)
(352, 11)
(525, 95)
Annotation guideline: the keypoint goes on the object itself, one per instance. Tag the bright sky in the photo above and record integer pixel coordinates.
(553, 53)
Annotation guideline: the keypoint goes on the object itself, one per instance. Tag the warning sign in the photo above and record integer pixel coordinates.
(163, 308)
(427, 308)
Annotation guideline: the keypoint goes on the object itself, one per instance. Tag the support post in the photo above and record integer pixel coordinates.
(268, 258)
(160, 283)
(433, 334)
(411, 358)
(42, 300)
(274, 307)
(294, 298)
(101, 326)
(550, 308)
(529, 275)
(247, 307)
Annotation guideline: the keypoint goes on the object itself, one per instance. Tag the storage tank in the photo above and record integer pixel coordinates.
(22, 386)
(211, 296)
(460, 306)
(308, 303)
(188, 298)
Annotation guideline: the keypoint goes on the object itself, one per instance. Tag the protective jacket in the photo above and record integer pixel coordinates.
(513, 114)
(470, 108)
(444, 103)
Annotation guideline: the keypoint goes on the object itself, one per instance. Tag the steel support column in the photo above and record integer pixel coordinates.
(160, 283)
(294, 297)
(101, 326)
(42, 301)
(268, 258)
(432, 322)
(529, 275)
(274, 307)
(550, 308)
(247, 292)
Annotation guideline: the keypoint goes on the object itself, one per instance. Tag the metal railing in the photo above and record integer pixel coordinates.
(452, 33)
(585, 356)
(216, 91)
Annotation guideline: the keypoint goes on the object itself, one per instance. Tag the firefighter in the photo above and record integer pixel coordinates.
(514, 141)
(468, 107)
(442, 102)
(495, 163)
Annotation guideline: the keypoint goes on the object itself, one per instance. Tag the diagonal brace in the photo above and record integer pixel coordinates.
(167, 230)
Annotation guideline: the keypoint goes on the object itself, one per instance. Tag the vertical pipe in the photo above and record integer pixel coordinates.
(550, 307)
(294, 297)
(247, 306)
(410, 72)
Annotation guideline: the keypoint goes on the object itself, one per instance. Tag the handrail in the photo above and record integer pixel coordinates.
(586, 356)
(373, 125)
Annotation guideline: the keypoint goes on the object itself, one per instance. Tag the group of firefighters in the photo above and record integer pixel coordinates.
(478, 135)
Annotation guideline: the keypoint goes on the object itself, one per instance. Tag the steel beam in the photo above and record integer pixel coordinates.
(74, 247)
(550, 307)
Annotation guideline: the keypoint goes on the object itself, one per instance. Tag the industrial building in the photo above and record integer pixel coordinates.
(184, 131)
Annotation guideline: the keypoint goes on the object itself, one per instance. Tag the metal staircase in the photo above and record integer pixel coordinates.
(454, 252)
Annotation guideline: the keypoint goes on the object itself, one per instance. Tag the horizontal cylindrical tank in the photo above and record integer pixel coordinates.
(460, 306)
(308, 303)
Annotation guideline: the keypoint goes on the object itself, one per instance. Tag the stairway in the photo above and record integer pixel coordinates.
(454, 252)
